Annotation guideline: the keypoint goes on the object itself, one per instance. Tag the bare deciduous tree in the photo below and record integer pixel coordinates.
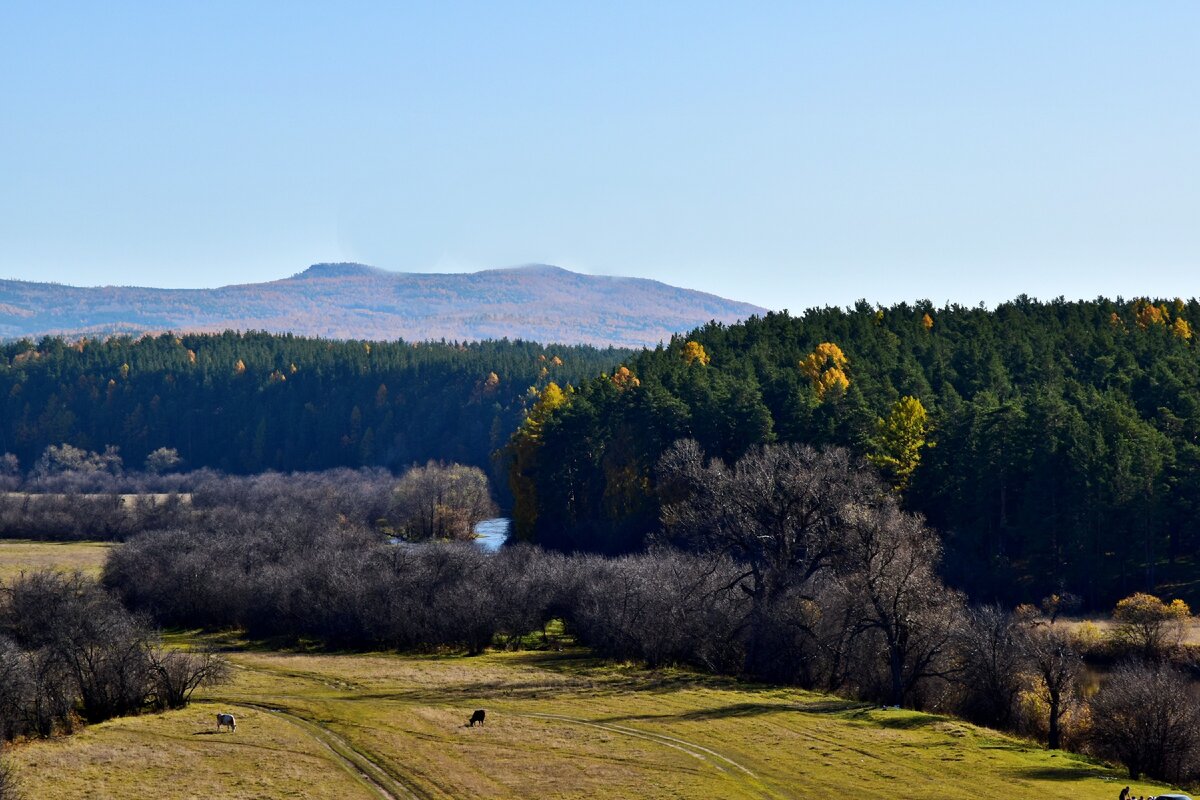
(778, 510)
(441, 501)
(989, 647)
(164, 459)
(887, 567)
(1146, 717)
(1051, 656)
(177, 674)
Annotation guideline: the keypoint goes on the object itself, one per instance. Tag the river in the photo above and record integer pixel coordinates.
(492, 533)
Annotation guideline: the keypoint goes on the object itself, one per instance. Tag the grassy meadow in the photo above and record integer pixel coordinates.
(21, 555)
(560, 724)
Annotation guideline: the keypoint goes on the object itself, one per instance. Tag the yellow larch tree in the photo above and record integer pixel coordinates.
(825, 367)
(694, 353)
(624, 379)
(1147, 314)
(899, 439)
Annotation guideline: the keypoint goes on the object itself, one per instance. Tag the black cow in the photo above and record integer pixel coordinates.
(476, 717)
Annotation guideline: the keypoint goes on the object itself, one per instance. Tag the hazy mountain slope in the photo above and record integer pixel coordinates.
(541, 303)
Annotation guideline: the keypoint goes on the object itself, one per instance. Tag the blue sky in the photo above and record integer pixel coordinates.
(790, 154)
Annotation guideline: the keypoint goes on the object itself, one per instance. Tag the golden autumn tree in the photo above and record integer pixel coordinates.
(899, 439)
(523, 451)
(1146, 623)
(1181, 329)
(927, 322)
(825, 367)
(694, 353)
(1147, 314)
(624, 379)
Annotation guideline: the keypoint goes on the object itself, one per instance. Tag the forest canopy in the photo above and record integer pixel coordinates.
(1053, 443)
(249, 402)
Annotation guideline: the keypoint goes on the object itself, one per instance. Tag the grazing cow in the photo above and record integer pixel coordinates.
(476, 717)
(226, 719)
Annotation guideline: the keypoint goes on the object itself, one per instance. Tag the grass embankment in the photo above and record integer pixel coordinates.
(21, 555)
(559, 725)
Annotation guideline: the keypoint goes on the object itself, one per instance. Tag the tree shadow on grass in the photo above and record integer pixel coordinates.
(1067, 772)
(745, 710)
(907, 722)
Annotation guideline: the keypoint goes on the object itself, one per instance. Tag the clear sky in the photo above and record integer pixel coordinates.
(789, 154)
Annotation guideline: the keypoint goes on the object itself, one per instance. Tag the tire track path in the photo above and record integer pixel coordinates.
(377, 777)
(381, 780)
(712, 758)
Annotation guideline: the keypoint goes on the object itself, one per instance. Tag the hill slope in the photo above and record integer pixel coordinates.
(540, 303)
(558, 725)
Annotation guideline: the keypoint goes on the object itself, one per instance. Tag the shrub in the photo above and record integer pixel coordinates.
(1148, 626)
(1146, 717)
(9, 789)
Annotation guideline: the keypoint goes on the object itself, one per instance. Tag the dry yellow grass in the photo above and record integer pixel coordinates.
(1105, 626)
(559, 725)
(179, 755)
(20, 555)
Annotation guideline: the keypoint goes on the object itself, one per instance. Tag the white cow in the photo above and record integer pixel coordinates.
(226, 719)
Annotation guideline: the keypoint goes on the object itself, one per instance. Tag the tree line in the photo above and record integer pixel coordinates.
(86, 495)
(1056, 444)
(70, 652)
(250, 402)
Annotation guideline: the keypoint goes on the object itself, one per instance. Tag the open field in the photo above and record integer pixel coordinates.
(21, 555)
(559, 725)
(1106, 625)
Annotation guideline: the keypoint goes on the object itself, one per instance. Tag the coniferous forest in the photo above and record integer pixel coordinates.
(1054, 444)
(251, 402)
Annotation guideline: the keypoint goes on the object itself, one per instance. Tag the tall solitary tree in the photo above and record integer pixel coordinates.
(898, 441)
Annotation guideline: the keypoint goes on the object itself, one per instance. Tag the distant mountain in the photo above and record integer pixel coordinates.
(537, 302)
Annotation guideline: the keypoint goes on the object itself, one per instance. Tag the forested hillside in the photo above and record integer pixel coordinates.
(251, 402)
(1054, 444)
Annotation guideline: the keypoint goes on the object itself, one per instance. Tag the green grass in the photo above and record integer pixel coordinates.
(560, 725)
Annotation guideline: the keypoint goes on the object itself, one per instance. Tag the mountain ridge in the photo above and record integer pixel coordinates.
(540, 302)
